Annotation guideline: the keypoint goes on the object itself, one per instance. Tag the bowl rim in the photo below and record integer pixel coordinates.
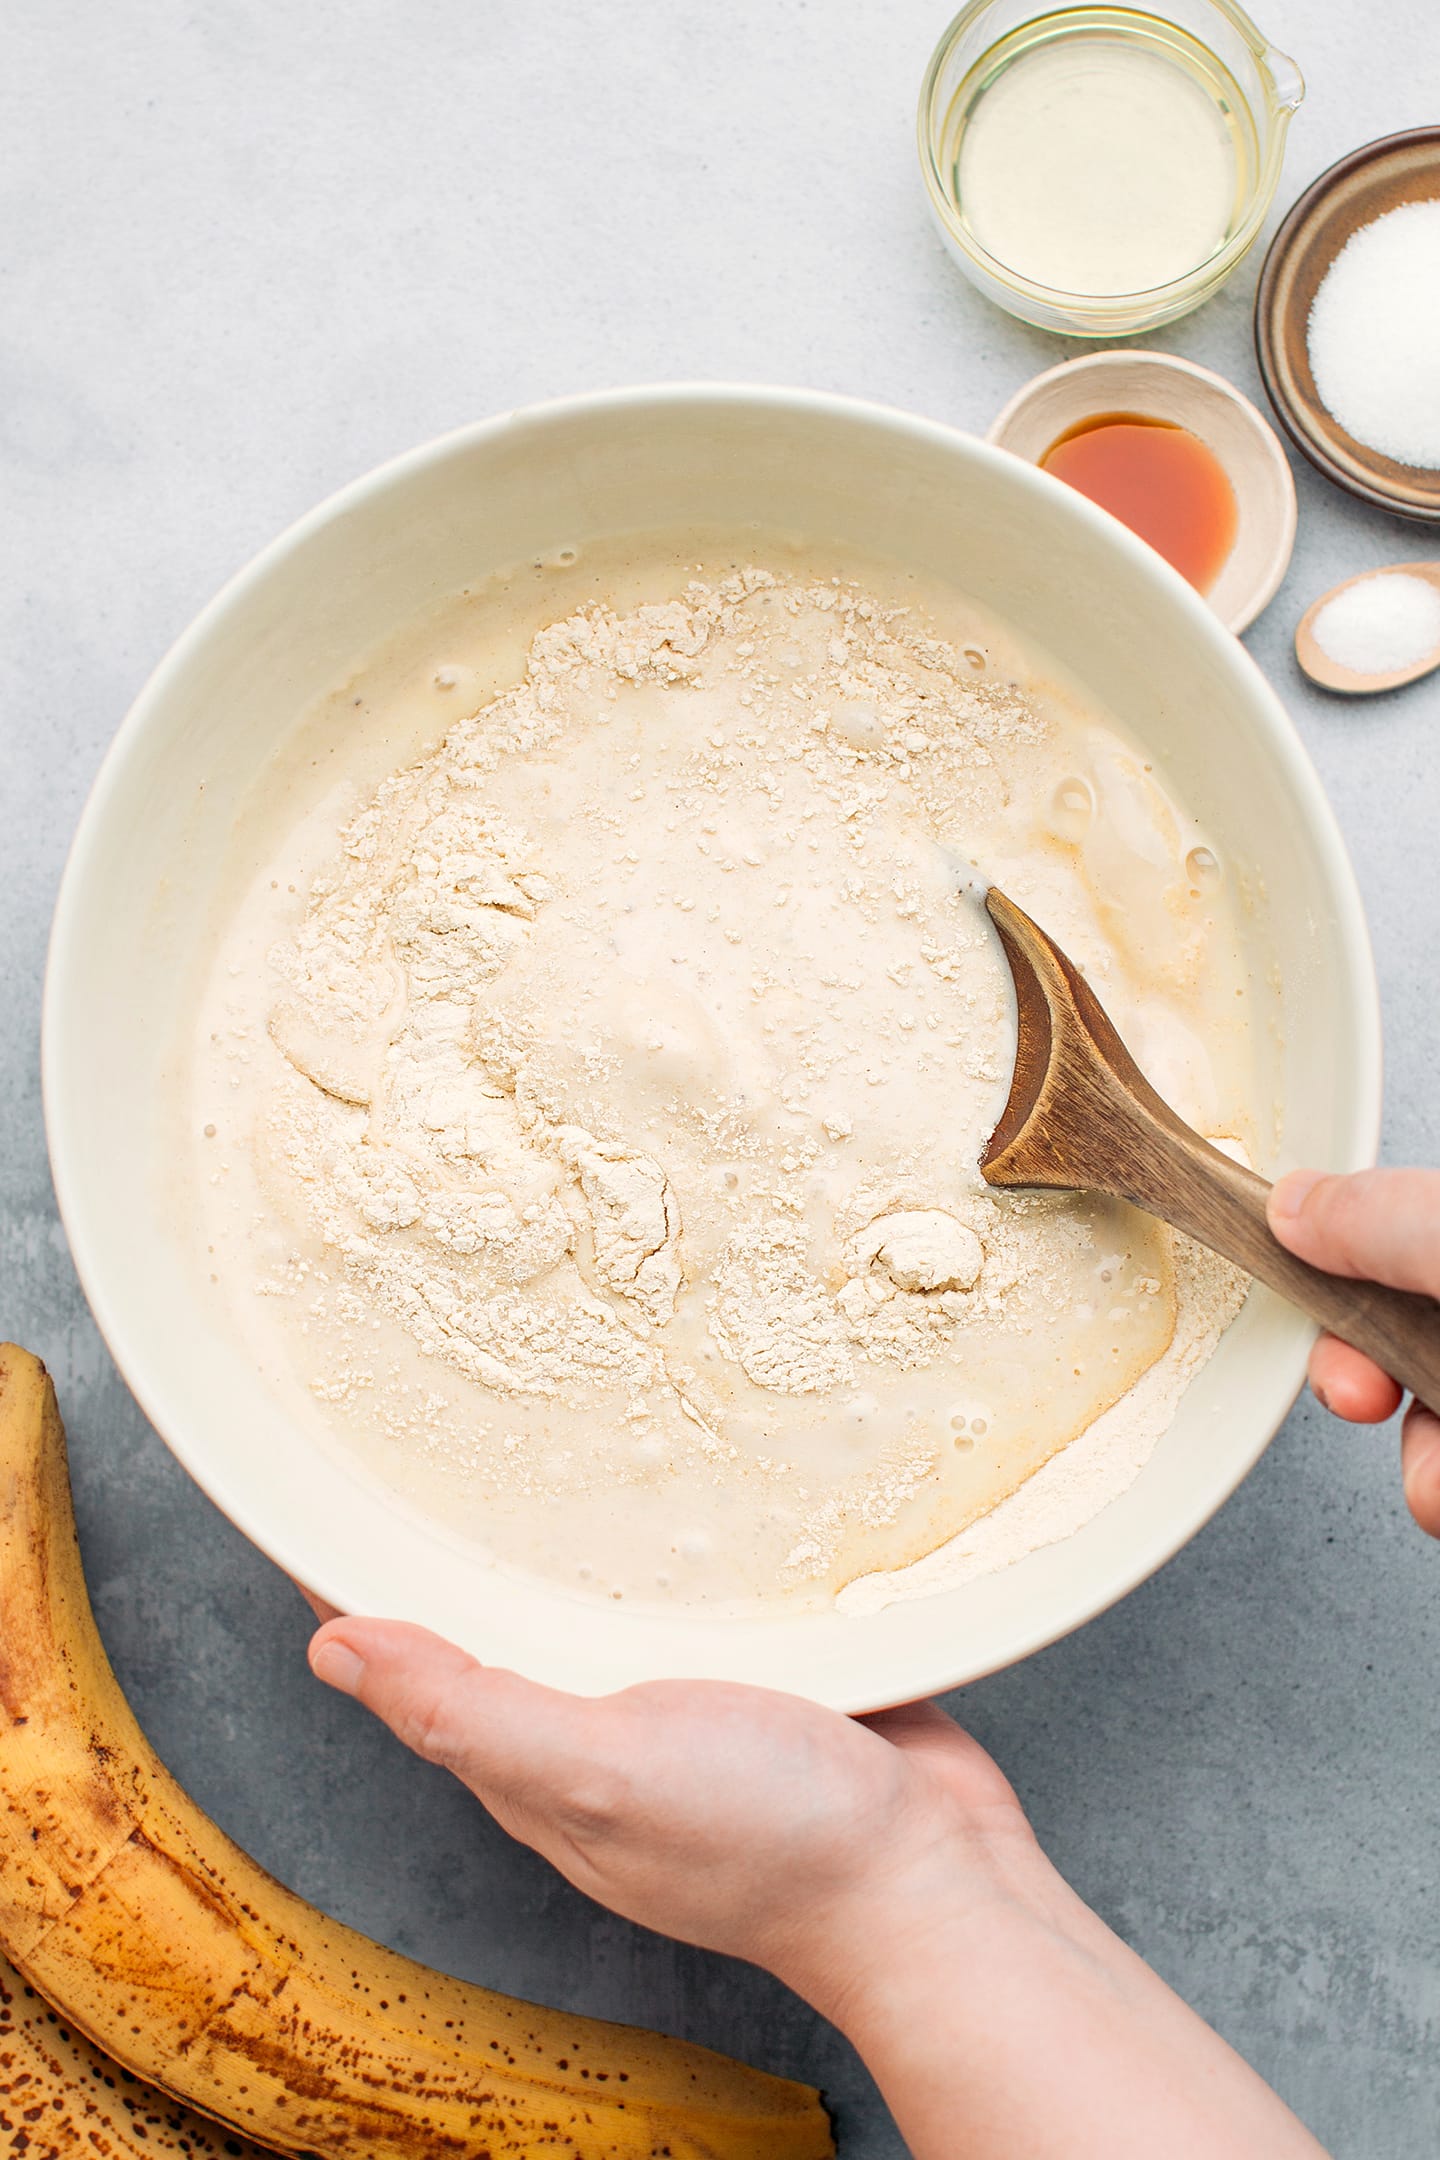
(299, 1548)
(1311, 446)
(1267, 442)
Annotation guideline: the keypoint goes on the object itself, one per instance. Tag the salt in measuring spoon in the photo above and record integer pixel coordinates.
(1331, 674)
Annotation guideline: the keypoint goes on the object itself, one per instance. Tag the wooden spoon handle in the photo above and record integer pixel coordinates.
(1171, 1172)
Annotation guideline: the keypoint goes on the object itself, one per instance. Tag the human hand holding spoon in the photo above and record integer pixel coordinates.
(1082, 1117)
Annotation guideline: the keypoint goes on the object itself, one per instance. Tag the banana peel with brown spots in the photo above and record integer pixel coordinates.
(155, 1940)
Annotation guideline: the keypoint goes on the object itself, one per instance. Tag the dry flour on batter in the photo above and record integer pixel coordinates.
(601, 1129)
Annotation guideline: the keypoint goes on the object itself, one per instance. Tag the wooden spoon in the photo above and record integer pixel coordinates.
(1082, 1117)
(1329, 674)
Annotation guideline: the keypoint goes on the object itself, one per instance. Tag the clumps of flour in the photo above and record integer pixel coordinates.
(634, 1221)
(628, 1066)
(774, 1316)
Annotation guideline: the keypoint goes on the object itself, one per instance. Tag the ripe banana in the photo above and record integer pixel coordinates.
(61, 2099)
(164, 1944)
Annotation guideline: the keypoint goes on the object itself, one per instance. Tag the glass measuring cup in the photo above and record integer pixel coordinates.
(1255, 87)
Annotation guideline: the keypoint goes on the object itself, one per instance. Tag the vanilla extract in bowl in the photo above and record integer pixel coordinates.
(1160, 480)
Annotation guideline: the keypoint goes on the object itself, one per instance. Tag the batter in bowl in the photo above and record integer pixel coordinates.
(588, 1117)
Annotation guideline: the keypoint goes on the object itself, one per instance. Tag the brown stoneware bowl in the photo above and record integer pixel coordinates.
(1363, 186)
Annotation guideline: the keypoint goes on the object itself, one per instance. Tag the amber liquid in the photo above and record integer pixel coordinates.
(1160, 480)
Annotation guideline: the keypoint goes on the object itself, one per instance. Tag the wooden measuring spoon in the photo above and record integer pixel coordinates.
(1328, 673)
(1081, 1116)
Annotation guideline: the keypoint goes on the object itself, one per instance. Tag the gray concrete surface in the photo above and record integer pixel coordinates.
(250, 249)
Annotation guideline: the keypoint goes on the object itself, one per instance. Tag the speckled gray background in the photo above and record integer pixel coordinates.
(247, 251)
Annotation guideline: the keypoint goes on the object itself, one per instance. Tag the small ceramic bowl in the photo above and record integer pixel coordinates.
(1371, 181)
(1160, 387)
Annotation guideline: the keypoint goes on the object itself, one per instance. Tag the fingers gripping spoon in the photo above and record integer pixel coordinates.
(1081, 1116)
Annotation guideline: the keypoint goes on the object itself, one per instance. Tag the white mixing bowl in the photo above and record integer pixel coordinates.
(132, 917)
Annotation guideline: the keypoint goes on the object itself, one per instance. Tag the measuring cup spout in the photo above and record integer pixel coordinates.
(1286, 81)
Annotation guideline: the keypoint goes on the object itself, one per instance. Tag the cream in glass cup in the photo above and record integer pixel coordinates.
(1102, 170)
